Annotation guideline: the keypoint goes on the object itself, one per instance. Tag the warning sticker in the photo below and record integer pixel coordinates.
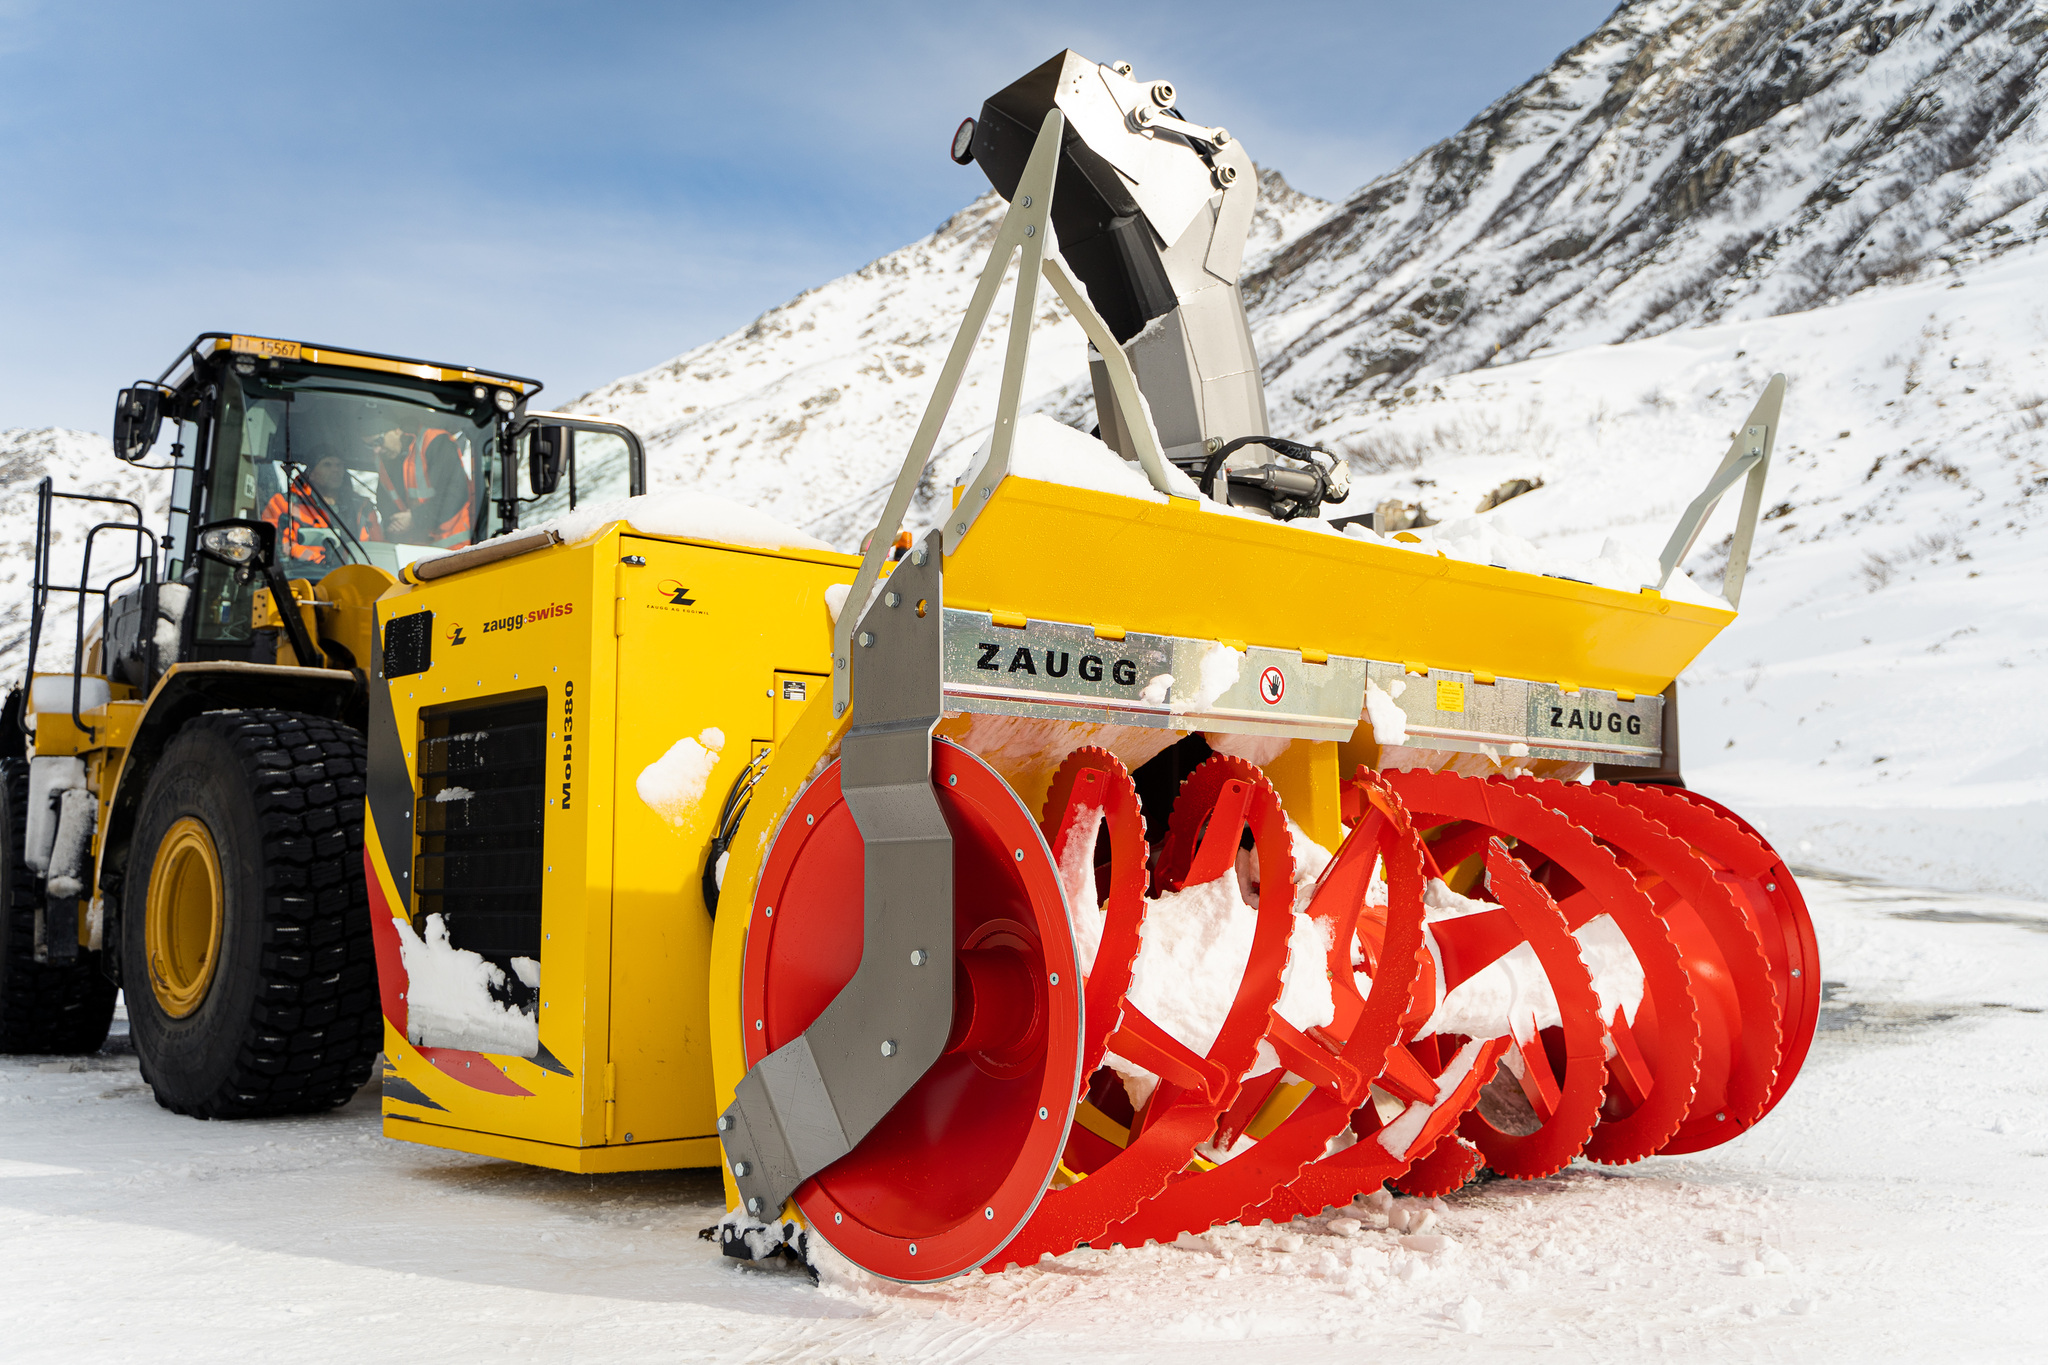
(1450, 695)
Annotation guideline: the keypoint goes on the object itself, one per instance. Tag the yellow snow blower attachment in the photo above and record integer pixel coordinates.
(1070, 880)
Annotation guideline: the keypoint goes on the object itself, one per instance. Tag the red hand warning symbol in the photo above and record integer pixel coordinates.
(1272, 686)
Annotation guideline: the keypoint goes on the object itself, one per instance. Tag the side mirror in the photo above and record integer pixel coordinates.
(550, 452)
(248, 547)
(138, 416)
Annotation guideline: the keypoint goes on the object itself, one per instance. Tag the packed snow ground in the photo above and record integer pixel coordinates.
(1892, 1207)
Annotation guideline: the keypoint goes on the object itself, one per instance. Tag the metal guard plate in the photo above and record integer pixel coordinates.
(1447, 709)
(1058, 671)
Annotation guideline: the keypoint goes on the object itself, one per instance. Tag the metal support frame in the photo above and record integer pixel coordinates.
(813, 1099)
(1749, 454)
(1026, 228)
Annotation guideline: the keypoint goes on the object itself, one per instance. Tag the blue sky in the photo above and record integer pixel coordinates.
(576, 192)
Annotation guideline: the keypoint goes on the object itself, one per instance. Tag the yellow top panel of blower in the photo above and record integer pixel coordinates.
(1053, 552)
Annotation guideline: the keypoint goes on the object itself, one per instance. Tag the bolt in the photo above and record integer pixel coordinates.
(1044, 1113)
(838, 1217)
(757, 1026)
(913, 1248)
(953, 781)
(810, 819)
(918, 558)
(1162, 94)
(1055, 978)
(1770, 886)
(985, 493)
(867, 639)
(754, 1207)
(1020, 855)
(839, 661)
(1795, 972)
(725, 1123)
(1226, 176)
(989, 1213)
(959, 526)
(1031, 229)
(629, 1137)
(918, 957)
(888, 1047)
(740, 1169)
(1025, 202)
(894, 599)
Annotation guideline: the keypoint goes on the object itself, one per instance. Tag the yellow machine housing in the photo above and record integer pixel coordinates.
(631, 644)
(627, 645)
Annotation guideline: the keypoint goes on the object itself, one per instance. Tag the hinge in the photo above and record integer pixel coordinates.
(611, 1100)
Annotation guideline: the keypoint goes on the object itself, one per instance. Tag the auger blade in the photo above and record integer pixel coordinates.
(1568, 1105)
(1739, 1012)
(1174, 1120)
(1765, 889)
(1302, 1108)
(1588, 882)
(1091, 795)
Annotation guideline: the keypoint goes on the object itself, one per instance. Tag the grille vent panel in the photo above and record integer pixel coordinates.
(479, 820)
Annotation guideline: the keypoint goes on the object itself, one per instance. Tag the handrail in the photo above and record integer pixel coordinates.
(41, 586)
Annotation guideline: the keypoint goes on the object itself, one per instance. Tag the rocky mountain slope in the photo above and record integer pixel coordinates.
(1692, 161)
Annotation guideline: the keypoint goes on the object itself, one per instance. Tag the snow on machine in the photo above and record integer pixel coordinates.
(1068, 876)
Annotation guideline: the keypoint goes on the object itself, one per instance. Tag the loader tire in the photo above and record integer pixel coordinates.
(43, 1008)
(246, 952)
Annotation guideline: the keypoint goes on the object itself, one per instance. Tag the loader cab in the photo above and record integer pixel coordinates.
(361, 462)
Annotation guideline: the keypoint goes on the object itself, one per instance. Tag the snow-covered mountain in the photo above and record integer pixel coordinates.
(1586, 287)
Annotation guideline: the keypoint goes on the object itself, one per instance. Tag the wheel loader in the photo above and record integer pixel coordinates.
(182, 770)
(1140, 848)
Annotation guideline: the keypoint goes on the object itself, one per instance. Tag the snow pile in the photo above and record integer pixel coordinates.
(1055, 453)
(449, 999)
(1195, 943)
(1077, 879)
(673, 784)
(1389, 721)
(1511, 996)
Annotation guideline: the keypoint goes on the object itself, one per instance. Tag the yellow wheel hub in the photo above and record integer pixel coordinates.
(181, 930)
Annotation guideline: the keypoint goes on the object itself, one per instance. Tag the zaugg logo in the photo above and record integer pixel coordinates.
(1613, 722)
(676, 593)
(456, 637)
(520, 620)
(1056, 662)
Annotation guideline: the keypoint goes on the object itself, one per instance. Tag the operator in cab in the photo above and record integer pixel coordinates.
(424, 488)
(320, 511)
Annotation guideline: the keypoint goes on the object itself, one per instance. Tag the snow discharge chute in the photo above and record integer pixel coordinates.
(1135, 851)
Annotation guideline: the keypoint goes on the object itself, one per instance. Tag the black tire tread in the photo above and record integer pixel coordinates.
(315, 1025)
(59, 1010)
